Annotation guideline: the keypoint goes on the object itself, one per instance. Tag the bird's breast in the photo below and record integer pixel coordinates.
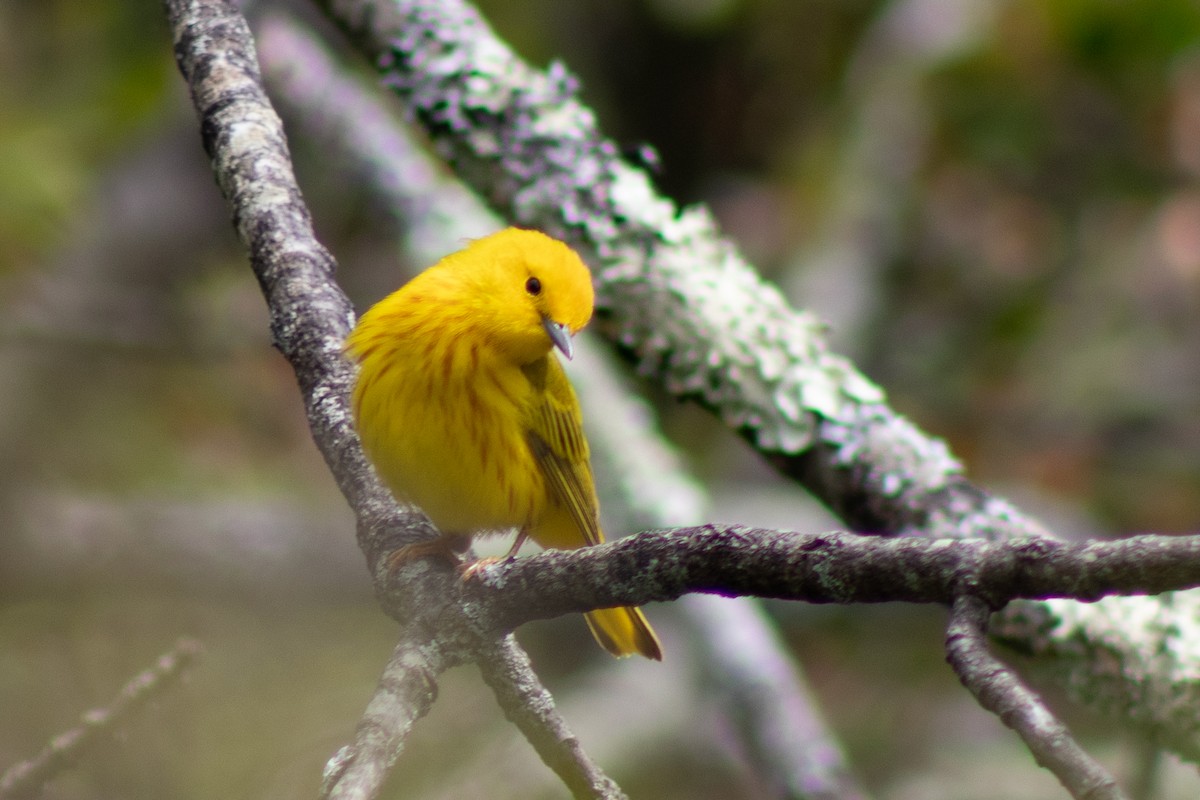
(446, 430)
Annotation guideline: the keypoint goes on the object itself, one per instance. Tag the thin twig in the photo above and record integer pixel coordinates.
(999, 690)
(27, 778)
(527, 704)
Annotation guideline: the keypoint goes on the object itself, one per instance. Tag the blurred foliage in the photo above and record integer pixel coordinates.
(1029, 192)
(83, 79)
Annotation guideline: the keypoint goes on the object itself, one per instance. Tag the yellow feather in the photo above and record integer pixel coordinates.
(465, 411)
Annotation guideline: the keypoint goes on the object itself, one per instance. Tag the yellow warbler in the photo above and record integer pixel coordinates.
(466, 412)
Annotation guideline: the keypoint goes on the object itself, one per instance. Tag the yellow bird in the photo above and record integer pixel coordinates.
(465, 411)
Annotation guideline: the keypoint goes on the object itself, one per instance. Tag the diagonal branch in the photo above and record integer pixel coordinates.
(527, 704)
(310, 317)
(1000, 691)
(27, 778)
(406, 691)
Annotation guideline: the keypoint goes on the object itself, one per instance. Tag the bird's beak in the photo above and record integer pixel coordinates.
(560, 335)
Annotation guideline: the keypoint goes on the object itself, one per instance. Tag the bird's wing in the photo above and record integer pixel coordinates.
(556, 437)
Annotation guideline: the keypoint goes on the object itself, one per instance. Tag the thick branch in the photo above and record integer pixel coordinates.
(1000, 691)
(310, 315)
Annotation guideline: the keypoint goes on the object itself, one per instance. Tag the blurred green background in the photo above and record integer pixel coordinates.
(994, 204)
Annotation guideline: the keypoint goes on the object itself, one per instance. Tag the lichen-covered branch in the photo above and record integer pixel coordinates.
(26, 779)
(1132, 658)
(675, 294)
(686, 307)
(1000, 691)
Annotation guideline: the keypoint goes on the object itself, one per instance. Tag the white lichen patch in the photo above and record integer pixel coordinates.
(1133, 657)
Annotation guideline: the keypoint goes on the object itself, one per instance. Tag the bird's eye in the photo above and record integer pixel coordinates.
(533, 286)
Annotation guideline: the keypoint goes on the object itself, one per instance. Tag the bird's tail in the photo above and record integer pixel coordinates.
(623, 632)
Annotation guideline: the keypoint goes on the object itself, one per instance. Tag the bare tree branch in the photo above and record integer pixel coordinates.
(822, 568)
(407, 689)
(27, 778)
(1000, 691)
(530, 707)
(310, 315)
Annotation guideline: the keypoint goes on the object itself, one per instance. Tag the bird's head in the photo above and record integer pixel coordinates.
(533, 292)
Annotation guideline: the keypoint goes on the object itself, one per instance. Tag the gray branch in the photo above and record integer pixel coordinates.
(310, 317)
(26, 779)
(406, 691)
(530, 707)
(1000, 691)
(730, 560)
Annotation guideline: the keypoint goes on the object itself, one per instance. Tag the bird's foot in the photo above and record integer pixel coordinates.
(468, 571)
(447, 548)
